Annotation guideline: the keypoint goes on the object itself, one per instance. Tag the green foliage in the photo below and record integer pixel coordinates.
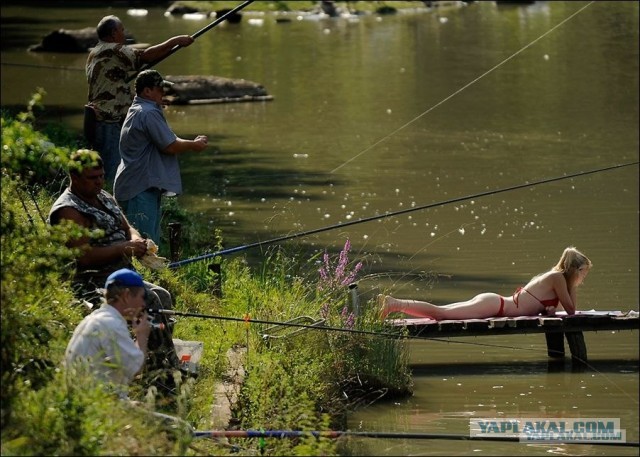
(44, 413)
(73, 416)
(292, 400)
(315, 369)
(281, 6)
(36, 315)
(365, 358)
(29, 155)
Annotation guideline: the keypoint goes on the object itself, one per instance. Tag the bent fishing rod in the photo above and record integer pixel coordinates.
(194, 36)
(317, 325)
(391, 214)
(388, 435)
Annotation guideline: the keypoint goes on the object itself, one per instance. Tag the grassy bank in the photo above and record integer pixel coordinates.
(307, 380)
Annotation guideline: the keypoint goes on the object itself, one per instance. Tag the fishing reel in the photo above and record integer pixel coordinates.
(159, 320)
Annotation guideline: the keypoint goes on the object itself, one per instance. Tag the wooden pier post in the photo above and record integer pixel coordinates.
(355, 301)
(577, 345)
(555, 344)
(216, 269)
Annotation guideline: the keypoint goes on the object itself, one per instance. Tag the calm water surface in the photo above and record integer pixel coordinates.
(376, 115)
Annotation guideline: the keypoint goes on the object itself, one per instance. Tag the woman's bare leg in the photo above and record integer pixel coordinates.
(414, 308)
(479, 307)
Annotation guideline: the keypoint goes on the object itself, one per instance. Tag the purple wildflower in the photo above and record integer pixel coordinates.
(349, 279)
(333, 278)
(351, 320)
(324, 311)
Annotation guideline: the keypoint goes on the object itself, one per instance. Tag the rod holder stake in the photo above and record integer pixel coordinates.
(355, 302)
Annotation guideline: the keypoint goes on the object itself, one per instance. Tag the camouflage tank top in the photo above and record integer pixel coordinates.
(108, 66)
(109, 221)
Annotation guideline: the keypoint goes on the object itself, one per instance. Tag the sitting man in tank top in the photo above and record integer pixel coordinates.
(85, 203)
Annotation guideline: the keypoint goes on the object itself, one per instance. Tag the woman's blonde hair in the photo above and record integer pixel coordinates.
(571, 261)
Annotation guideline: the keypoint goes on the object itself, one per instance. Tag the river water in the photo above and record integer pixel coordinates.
(384, 114)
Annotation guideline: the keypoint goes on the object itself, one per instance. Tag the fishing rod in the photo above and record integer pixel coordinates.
(194, 36)
(248, 320)
(391, 214)
(387, 435)
(319, 326)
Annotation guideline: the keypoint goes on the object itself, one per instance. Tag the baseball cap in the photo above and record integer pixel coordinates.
(124, 278)
(150, 78)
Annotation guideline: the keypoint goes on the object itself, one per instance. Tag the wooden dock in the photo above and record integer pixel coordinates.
(555, 328)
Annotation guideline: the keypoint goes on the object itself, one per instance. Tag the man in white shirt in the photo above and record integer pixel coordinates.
(102, 342)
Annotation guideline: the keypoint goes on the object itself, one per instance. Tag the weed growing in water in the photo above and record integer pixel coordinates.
(368, 364)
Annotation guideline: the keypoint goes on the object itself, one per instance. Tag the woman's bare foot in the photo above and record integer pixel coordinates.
(388, 304)
(383, 308)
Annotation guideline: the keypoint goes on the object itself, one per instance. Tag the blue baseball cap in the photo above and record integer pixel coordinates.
(124, 278)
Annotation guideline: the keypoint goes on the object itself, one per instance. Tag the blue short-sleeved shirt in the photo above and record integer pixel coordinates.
(145, 133)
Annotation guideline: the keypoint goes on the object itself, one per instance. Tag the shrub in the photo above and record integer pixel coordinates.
(28, 155)
(36, 316)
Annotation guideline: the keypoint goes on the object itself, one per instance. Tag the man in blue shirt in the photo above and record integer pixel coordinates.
(149, 165)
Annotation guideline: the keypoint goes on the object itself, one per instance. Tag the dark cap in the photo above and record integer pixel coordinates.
(150, 78)
(124, 278)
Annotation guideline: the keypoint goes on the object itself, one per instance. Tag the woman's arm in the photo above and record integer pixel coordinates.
(566, 296)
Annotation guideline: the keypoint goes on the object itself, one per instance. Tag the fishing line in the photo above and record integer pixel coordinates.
(395, 335)
(461, 89)
(326, 328)
(420, 275)
(392, 214)
(608, 379)
(194, 36)
(54, 67)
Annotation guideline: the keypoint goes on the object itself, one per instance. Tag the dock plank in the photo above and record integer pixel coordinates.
(556, 328)
(584, 321)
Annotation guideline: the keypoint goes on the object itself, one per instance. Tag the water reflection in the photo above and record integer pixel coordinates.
(448, 396)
